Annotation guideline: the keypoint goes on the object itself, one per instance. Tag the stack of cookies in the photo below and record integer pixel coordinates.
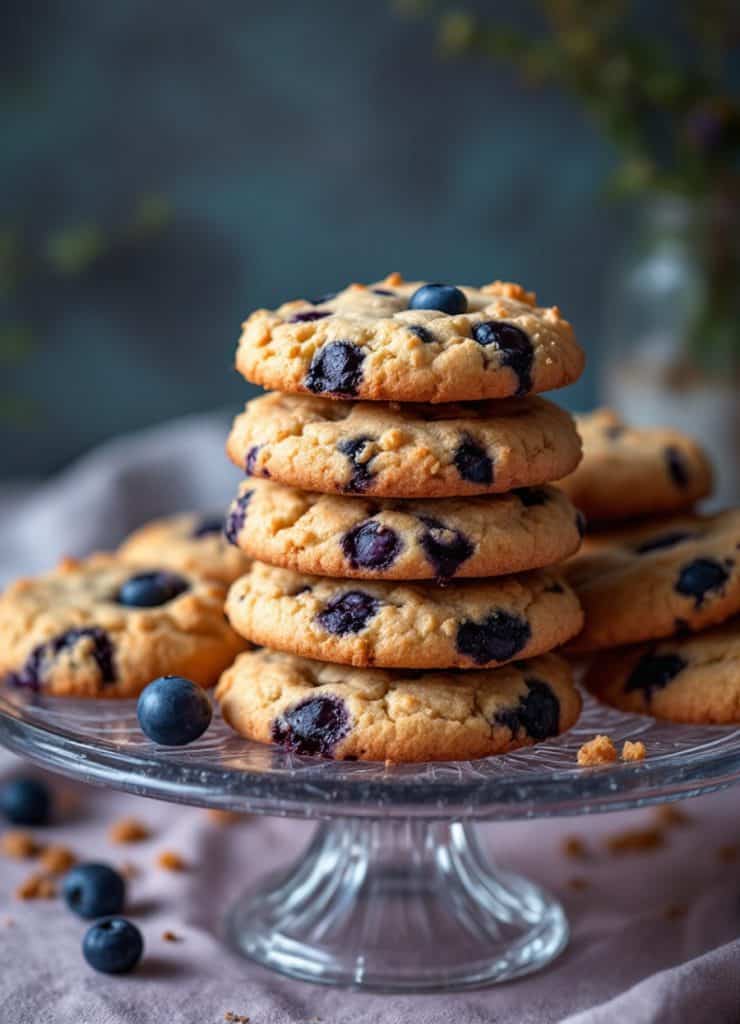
(402, 528)
(652, 588)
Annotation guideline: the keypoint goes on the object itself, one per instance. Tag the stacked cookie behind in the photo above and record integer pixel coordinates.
(660, 589)
(398, 512)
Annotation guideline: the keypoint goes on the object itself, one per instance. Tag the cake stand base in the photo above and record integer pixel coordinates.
(398, 906)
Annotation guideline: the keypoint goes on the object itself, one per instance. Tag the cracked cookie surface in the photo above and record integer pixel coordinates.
(68, 633)
(370, 342)
(404, 451)
(469, 624)
(365, 538)
(692, 678)
(375, 715)
(633, 472)
(187, 543)
(652, 583)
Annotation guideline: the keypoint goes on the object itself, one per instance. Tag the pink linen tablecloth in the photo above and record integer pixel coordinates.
(655, 933)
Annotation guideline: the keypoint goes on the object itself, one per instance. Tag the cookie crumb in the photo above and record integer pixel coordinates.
(579, 884)
(636, 840)
(169, 936)
(633, 751)
(19, 845)
(670, 814)
(235, 1018)
(128, 830)
(36, 887)
(729, 853)
(219, 817)
(574, 846)
(169, 860)
(675, 911)
(599, 750)
(57, 860)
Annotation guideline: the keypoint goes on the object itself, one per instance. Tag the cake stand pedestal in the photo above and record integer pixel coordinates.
(393, 892)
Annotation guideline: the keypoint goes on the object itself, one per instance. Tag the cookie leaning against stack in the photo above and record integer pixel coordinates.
(405, 450)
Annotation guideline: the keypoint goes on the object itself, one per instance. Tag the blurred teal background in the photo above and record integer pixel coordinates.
(297, 147)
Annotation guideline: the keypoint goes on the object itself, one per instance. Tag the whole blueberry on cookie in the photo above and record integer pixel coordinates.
(151, 589)
(173, 711)
(444, 297)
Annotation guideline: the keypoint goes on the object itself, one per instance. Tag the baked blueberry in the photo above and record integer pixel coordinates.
(664, 540)
(250, 463)
(33, 670)
(538, 712)
(445, 548)
(472, 462)
(173, 711)
(308, 316)
(236, 516)
(678, 469)
(653, 672)
(370, 545)
(700, 578)
(361, 476)
(499, 637)
(151, 589)
(423, 333)
(113, 945)
(207, 526)
(443, 297)
(531, 497)
(314, 726)
(515, 348)
(26, 802)
(336, 369)
(580, 523)
(94, 890)
(349, 612)
(382, 291)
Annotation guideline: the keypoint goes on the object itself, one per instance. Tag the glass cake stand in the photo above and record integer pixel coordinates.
(393, 892)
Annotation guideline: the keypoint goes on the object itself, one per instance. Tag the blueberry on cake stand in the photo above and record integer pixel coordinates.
(394, 892)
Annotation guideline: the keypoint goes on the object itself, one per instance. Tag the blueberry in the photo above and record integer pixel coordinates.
(207, 526)
(443, 297)
(349, 612)
(445, 548)
(94, 890)
(423, 333)
(307, 317)
(701, 577)
(250, 463)
(515, 348)
(531, 496)
(151, 589)
(173, 711)
(236, 516)
(382, 291)
(472, 462)
(555, 588)
(664, 540)
(653, 672)
(538, 712)
(498, 638)
(336, 369)
(580, 523)
(314, 726)
(361, 476)
(370, 545)
(614, 432)
(42, 656)
(26, 802)
(113, 945)
(678, 469)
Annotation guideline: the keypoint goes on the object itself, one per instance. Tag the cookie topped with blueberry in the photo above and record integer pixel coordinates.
(467, 624)
(404, 451)
(689, 678)
(633, 472)
(404, 341)
(188, 543)
(386, 539)
(652, 582)
(101, 627)
(373, 715)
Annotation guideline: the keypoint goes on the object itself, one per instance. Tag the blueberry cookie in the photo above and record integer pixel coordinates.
(372, 715)
(404, 625)
(406, 451)
(332, 535)
(103, 628)
(694, 678)
(634, 472)
(652, 583)
(187, 543)
(402, 341)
